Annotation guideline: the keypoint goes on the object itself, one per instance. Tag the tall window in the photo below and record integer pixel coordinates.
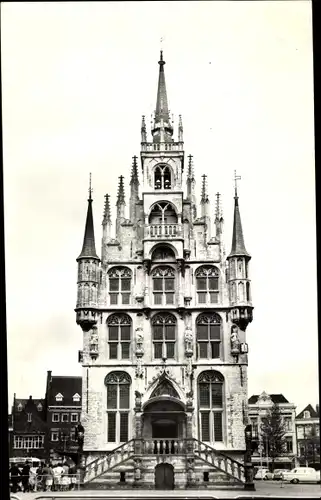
(162, 177)
(208, 334)
(163, 285)
(118, 404)
(210, 400)
(207, 284)
(164, 335)
(119, 336)
(119, 285)
(28, 442)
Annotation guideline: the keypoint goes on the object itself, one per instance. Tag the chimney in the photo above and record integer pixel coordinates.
(30, 398)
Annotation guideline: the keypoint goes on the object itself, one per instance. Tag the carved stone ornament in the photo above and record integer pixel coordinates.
(139, 371)
(235, 341)
(138, 401)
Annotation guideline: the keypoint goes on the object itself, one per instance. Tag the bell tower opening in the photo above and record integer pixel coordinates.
(162, 177)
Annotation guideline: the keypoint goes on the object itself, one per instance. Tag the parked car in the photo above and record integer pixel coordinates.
(277, 475)
(302, 475)
(262, 474)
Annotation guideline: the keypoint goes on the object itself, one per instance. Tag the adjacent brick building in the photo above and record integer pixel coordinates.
(164, 314)
(259, 405)
(45, 428)
(307, 424)
(63, 401)
(28, 428)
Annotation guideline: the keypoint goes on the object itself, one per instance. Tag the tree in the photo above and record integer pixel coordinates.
(312, 441)
(273, 432)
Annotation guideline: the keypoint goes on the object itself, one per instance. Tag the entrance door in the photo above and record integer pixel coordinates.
(164, 477)
(164, 429)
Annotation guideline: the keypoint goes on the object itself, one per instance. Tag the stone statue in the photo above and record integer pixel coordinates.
(138, 400)
(188, 338)
(139, 336)
(235, 340)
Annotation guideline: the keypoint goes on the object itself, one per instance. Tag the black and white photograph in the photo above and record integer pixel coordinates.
(160, 249)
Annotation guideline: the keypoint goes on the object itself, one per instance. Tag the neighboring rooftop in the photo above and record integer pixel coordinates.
(313, 413)
(276, 398)
(69, 388)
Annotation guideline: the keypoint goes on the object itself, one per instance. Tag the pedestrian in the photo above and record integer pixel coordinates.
(57, 472)
(73, 477)
(39, 478)
(25, 473)
(65, 479)
(47, 477)
(15, 477)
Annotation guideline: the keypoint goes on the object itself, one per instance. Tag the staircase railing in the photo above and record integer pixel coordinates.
(220, 460)
(102, 464)
(192, 446)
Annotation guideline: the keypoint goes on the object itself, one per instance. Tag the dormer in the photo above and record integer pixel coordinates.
(39, 407)
(76, 398)
(19, 407)
(59, 397)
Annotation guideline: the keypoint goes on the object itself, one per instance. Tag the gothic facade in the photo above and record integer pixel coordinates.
(163, 313)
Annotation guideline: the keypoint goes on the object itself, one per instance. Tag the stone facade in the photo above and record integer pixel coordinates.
(164, 311)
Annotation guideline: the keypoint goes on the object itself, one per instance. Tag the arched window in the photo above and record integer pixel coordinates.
(118, 405)
(207, 284)
(164, 335)
(163, 285)
(162, 177)
(210, 401)
(119, 336)
(208, 334)
(233, 292)
(241, 292)
(119, 285)
(163, 253)
(248, 296)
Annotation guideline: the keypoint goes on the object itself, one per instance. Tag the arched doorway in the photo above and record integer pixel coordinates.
(164, 477)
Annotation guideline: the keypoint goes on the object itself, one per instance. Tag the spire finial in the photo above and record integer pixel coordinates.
(121, 191)
(236, 178)
(107, 215)
(134, 173)
(90, 188)
(217, 207)
(190, 170)
(204, 198)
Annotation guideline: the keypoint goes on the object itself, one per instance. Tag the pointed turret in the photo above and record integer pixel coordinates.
(120, 204)
(107, 213)
(218, 217)
(190, 181)
(121, 192)
(143, 130)
(89, 248)
(162, 129)
(238, 246)
(134, 187)
(88, 273)
(180, 129)
(238, 271)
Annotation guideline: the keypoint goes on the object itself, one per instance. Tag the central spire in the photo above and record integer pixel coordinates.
(162, 130)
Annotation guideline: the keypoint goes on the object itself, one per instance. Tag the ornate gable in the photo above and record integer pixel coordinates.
(165, 388)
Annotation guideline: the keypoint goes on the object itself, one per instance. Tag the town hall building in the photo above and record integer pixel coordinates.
(164, 312)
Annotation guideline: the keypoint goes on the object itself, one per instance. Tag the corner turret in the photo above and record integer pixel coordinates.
(238, 271)
(88, 273)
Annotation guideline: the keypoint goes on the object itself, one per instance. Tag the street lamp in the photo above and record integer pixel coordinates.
(248, 466)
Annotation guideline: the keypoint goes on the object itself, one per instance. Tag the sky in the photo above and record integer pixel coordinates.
(76, 79)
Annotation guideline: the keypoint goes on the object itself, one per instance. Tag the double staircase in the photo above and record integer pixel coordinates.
(137, 459)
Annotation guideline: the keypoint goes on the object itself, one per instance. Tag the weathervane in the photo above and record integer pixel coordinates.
(236, 178)
(90, 188)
